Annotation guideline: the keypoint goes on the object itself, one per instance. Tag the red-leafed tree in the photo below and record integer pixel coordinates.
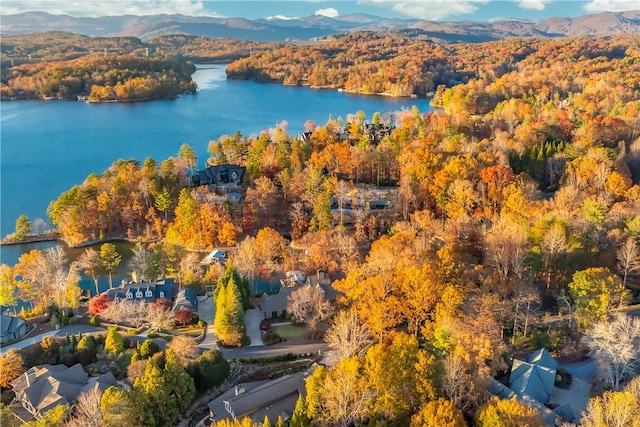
(184, 315)
(98, 303)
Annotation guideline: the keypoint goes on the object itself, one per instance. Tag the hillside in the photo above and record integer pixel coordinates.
(147, 27)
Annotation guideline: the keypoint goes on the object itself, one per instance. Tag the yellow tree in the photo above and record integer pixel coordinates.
(391, 375)
(596, 291)
(338, 396)
(507, 413)
(439, 413)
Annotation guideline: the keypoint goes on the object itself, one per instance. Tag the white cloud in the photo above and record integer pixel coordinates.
(534, 4)
(96, 8)
(431, 9)
(611, 5)
(282, 17)
(330, 12)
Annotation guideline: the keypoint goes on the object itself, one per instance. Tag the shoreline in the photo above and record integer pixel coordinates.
(32, 238)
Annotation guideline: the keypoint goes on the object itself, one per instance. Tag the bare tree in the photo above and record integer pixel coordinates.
(160, 317)
(244, 258)
(614, 345)
(347, 335)
(554, 243)
(86, 412)
(126, 311)
(135, 312)
(628, 258)
(308, 304)
(139, 262)
(186, 348)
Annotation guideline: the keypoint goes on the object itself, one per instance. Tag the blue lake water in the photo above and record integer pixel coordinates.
(46, 147)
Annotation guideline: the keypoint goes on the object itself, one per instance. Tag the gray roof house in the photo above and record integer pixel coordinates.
(275, 305)
(535, 376)
(186, 298)
(219, 175)
(12, 328)
(45, 386)
(259, 399)
(532, 381)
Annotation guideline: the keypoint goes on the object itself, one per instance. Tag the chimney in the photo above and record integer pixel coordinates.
(31, 377)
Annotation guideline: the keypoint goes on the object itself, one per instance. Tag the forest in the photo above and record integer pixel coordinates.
(516, 203)
(65, 65)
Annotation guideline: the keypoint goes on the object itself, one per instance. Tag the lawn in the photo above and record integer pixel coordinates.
(291, 331)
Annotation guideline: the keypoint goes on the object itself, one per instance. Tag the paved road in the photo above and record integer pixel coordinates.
(71, 330)
(274, 350)
(631, 310)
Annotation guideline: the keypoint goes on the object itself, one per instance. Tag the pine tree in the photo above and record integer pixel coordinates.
(229, 321)
(179, 383)
(299, 417)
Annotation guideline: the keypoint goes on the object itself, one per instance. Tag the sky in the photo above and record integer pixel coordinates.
(443, 10)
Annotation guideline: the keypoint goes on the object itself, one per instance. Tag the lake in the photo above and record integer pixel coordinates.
(49, 146)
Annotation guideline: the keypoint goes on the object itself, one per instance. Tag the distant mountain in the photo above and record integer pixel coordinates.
(274, 29)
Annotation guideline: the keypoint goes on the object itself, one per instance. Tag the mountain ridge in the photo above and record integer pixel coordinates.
(304, 28)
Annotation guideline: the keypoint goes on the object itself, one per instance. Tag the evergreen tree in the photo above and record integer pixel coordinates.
(109, 260)
(179, 383)
(23, 227)
(229, 320)
(299, 417)
(113, 343)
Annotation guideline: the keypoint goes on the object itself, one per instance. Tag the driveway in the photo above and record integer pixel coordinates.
(252, 319)
(207, 312)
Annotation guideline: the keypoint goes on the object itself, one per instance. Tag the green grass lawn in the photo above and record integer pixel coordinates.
(291, 331)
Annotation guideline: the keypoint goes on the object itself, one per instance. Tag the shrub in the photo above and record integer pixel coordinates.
(87, 343)
(148, 348)
(94, 321)
(114, 343)
(271, 337)
(202, 323)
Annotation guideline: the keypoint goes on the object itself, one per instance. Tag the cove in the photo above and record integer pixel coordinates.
(49, 146)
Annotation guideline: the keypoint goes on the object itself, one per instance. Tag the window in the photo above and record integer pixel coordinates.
(148, 293)
(161, 294)
(138, 294)
(129, 295)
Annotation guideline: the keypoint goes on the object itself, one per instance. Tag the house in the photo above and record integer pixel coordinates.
(186, 298)
(258, 399)
(219, 175)
(12, 328)
(276, 305)
(216, 256)
(534, 377)
(45, 386)
(532, 381)
(144, 291)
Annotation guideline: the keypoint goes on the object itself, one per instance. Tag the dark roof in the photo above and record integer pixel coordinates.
(277, 302)
(164, 285)
(270, 398)
(219, 174)
(10, 325)
(187, 298)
